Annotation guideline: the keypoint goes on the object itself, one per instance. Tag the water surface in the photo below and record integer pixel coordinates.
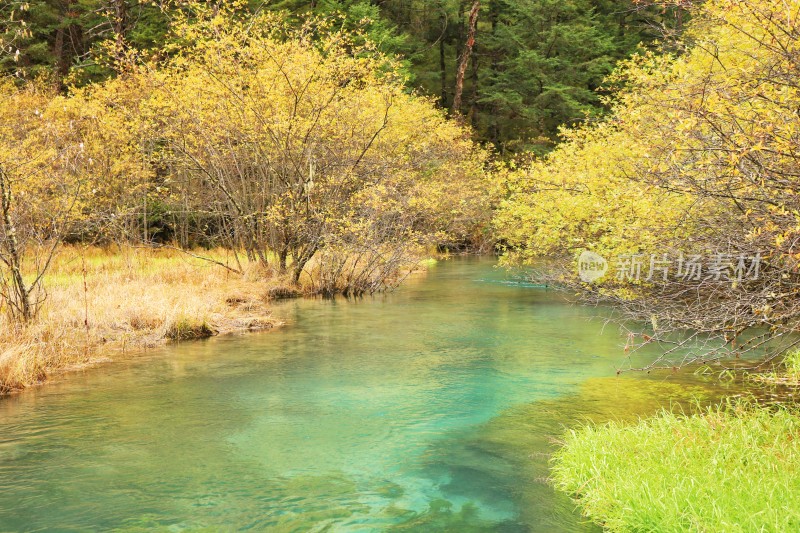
(433, 408)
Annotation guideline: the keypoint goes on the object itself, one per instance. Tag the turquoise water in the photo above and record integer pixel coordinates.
(429, 409)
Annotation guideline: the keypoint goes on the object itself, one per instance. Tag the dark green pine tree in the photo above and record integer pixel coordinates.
(544, 61)
(38, 38)
(57, 39)
(535, 65)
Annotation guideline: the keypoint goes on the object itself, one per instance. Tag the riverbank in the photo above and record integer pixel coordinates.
(103, 303)
(735, 467)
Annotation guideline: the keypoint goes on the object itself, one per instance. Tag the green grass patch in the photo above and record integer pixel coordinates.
(729, 468)
(430, 262)
(186, 329)
(792, 362)
(785, 374)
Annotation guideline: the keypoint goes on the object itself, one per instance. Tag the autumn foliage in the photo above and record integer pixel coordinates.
(698, 158)
(300, 147)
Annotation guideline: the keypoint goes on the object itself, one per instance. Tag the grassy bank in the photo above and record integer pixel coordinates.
(787, 373)
(103, 302)
(731, 468)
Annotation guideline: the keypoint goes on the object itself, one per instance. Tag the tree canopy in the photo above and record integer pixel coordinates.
(535, 64)
(297, 144)
(697, 162)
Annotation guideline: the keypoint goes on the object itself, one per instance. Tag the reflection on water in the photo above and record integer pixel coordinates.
(429, 409)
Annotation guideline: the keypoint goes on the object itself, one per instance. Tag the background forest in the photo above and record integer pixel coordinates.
(534, 66)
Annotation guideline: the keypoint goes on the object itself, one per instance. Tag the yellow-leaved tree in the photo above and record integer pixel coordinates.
(305, 149)
(694, 180)
(63, 161)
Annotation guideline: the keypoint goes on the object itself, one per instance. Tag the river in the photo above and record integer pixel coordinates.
(432, 408)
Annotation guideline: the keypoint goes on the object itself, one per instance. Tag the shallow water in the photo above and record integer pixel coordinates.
(433, 408)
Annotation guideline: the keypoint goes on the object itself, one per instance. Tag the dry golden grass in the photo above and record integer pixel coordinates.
(103, 302)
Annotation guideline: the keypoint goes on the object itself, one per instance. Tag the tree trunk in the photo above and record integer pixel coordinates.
(282, 255)
(473, 107)
(58, 53)
(300, 259)
(13, 259)
(465, 54)
(120, 27)
(443, 65)
(494, 128)
(67, 43)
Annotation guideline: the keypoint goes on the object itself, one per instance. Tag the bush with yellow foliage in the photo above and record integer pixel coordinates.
(66, 167)
(699, 158)
(299, 146)
(300, 142)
